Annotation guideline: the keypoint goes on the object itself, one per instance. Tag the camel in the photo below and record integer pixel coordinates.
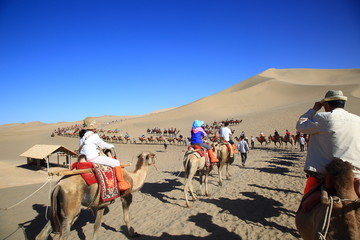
(335, 217)
(179, 140)
(225, 158)
(142, 139)
(160, 139)
(262, 140)
(194, 163)
(127, 139)
(296, 138)
(71, 192)
(286, 140)
(151, 139)
(171, 140)
(275, 140)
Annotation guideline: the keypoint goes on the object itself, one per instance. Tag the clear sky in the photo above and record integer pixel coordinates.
(68, 59)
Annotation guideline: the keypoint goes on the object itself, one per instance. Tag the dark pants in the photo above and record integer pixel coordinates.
(302, 146)
(243, 157)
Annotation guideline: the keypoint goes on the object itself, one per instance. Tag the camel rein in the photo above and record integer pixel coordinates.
(325, 228)
(49, 179)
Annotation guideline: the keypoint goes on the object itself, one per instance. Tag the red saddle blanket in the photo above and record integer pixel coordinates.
(198, 149)
(103, 175)
(313, 197)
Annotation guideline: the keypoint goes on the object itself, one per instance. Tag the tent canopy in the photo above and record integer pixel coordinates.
(42, 151)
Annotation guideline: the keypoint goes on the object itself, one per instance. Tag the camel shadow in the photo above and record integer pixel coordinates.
(158, 190)
(202, 220)
(283, 163)
(276, 189)
(33, 227)
(255, 210)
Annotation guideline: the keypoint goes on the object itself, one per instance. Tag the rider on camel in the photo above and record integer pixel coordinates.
(334, 133)
(225, 133)
(287, 135)
(276, 134)
(197, 133)
(90, 143)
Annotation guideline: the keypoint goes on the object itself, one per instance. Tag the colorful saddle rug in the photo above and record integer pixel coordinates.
(201, 151)
(103, 175)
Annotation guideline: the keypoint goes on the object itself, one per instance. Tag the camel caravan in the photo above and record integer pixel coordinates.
(329, 211)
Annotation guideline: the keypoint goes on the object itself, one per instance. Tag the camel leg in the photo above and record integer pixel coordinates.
(99, 215)
(206, 183)
(228, 176)
(188, 187)
(220, 166)
(45, 232)
(200, 192)
(126, 202)
(70, 206)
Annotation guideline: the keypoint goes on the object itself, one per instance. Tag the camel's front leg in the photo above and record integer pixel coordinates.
(126, 201)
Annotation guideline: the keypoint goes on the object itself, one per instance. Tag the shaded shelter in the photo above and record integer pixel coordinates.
(40, 154)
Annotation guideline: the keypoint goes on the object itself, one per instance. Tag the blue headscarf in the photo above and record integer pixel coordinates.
(197, 123)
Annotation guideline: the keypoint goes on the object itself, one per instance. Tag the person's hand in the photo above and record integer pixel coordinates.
(317, 106)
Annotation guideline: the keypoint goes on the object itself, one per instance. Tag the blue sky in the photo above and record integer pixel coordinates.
(65, 60)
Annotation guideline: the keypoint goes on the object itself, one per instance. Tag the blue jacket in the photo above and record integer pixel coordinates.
(196, 135)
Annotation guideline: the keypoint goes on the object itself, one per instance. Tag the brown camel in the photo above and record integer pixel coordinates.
(262, 140)
(160, 139)
(171, 140)
(142, 139)
(71, 192)
(286, 140)
(335, 217)
(225, 159)
(194, 163)
(275, 140)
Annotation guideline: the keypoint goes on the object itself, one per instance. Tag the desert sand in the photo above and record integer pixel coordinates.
(258, 202)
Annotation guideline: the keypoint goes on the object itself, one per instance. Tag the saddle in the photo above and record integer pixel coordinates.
(201, 151)
(313, 197)
(103, 175)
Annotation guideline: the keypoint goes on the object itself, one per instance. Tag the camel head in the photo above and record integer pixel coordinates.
(343, 176)
(146, 158)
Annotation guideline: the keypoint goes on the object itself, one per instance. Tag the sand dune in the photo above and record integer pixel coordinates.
(259, 202)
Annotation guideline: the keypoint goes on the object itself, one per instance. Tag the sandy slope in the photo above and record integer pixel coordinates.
(259, 202)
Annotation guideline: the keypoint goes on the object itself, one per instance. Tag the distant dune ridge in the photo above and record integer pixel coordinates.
(271, 100)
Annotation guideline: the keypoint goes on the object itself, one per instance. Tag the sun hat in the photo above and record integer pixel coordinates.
(333, 95)
(89, 123)
(197, 123)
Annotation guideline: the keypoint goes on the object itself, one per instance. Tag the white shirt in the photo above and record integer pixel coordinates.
(302, 141)
(225, 132)
(332, 134)
(92, 143)
(243, 147)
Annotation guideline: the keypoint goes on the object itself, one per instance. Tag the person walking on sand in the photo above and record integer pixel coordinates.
(334, 133)
(90, 143)
(243, 148)
(302, 143)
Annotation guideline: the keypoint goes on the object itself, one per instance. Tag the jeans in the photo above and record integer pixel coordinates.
(243, 157)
